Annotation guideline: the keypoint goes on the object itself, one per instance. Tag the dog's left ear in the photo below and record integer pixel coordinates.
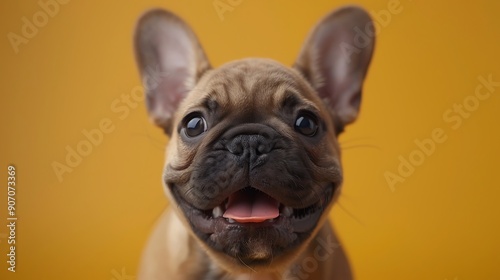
(335, 60)
(170, 60)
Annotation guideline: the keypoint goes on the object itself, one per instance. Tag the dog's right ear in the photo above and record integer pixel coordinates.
(170, 60)
(335, 61)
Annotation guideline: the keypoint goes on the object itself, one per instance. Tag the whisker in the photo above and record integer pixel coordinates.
(157, 143)
(355, 140)
(157, 217)
(350, 214)
(246, 265)
(188, 191)
(361, 146)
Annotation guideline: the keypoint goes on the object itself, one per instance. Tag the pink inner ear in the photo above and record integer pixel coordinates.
(170, 58)
(176, 49)
(336, 57)
(167, 90)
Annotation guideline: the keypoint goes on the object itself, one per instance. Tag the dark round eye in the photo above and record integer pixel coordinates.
(195, 126)
(306, 125)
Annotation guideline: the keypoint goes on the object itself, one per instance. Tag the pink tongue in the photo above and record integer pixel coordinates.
(251, 207)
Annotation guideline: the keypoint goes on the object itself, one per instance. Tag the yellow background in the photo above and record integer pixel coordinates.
(442, 222)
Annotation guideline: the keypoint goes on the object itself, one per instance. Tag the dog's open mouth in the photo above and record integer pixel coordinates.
(250, 207)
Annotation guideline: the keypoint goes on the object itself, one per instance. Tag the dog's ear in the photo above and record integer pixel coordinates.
(335, 59)
(170, 60)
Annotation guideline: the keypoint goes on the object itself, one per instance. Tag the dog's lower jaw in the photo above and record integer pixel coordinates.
(173, 253)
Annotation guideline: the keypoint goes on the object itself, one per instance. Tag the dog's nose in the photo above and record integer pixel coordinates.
(251, 149)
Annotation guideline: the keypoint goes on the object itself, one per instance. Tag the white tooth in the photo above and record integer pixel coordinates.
(231, 221)
(287, 211)
(217, 212)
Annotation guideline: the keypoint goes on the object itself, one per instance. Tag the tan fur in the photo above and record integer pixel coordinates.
(241, 78)
(248, 91)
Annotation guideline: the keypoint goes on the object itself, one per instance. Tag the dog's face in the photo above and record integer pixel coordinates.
(253, 161)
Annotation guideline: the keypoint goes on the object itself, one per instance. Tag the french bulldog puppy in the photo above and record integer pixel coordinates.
(253, 163)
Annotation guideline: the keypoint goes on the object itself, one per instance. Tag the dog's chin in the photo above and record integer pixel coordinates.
(254, 244)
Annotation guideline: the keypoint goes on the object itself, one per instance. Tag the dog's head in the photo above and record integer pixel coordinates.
(253, 160)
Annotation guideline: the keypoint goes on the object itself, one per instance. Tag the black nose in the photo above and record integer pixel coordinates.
(250, 149)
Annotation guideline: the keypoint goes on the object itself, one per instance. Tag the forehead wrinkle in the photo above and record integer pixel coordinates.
(218, 92)
(286, 90)
(254, 85)
(270, 82)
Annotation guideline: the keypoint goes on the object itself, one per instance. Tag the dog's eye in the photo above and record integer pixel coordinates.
(195, 126)
(306, 125)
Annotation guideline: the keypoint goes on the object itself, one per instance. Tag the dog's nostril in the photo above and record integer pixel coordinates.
(250, 147)
(262, 149)
(236, 150)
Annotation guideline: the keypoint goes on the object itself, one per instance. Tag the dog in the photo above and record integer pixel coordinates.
(253, 161)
